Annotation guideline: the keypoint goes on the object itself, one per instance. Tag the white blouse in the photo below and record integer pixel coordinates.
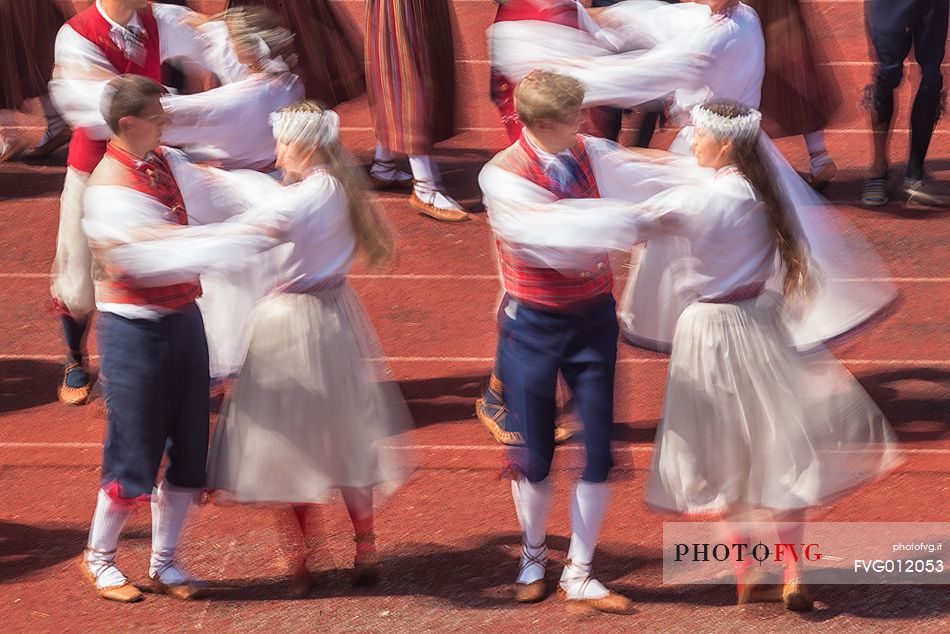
(646, 51)
(729, 244)
(230, 124)
(715, 228)
(82, 70)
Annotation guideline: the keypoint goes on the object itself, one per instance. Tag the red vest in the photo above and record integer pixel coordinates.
(542, 287)
(155, 179)
(563, 13)
(503, 90)
(84, 152)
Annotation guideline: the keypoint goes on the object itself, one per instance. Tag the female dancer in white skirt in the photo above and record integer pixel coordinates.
(310, 410)
(749, 423)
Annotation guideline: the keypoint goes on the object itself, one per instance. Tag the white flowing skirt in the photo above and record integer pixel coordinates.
(311, 410)
(748, 421)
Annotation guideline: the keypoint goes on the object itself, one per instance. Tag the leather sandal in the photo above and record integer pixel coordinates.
(184, 591)
(366, 566)
(563, 433)
(826, 174)
(751, 587)
(491, 415)
(536, 590)
(69, 395)
(443, 215)
(613, 603)
(796, 597)
(121, 593)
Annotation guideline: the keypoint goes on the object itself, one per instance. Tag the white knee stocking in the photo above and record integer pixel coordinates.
(815, 141)
(169, 508)
(588, 508)
(107, 523)
(383, 154)
(533, 505)
(426, 173)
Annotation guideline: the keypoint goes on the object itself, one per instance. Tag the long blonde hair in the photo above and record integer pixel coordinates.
(374, 235)
(792, 247)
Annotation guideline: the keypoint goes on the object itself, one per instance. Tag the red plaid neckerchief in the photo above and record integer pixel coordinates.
(153, 177)
(582, 183)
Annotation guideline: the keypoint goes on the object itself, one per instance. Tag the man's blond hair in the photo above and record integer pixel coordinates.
(546, 95)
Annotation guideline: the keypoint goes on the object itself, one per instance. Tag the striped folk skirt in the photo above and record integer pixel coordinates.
(27, 32)
(410, 73)
(798, 96)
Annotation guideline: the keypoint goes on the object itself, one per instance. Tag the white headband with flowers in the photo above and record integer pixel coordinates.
(321, 128)
(741, 128)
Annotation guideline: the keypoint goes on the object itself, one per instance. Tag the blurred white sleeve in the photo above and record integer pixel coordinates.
(80, 74)
(621, 79)
(177, 39)
(129, 231)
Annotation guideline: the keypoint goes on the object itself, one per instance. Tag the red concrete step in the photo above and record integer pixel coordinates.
(456, 318)
(441, 396)
(448, 544)
(906, 239)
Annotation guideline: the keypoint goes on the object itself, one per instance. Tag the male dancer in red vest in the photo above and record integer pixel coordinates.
(109, 38)
(154, 353)
(554, 322)
(490, 408)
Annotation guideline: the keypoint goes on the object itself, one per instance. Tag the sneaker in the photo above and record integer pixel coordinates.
(924, 193)
(877, 192)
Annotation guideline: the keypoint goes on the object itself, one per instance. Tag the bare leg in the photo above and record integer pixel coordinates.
(300, 582)
(750, 586)
(359, 504)
(791, 530)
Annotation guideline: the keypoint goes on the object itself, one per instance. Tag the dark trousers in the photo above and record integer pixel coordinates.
(536, 345)
(155, 376)
(650, 118)
(896, 25)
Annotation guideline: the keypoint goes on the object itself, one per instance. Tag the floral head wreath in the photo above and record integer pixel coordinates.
(313, 128)
(742, 128)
